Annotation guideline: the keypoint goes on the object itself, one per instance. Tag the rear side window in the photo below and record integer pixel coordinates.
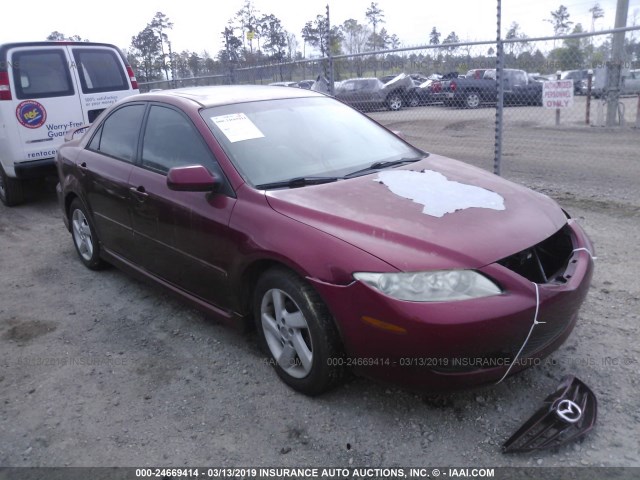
(100, 70)
(118, 135)
(41, 74)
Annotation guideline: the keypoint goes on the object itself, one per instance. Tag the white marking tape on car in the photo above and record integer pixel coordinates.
(586, 250)
(535, 322)
(237, 127)
(438, 194)
(535, 317)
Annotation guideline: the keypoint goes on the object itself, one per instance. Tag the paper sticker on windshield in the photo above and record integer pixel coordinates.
(237, 127)
(437, 194)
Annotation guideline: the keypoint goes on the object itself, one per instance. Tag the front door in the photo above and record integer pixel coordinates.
(182, 237)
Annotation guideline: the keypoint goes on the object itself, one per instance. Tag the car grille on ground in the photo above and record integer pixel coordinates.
(544, 262)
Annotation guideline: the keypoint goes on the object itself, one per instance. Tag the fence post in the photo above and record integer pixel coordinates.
(558, 74)
(329, 54)
(497, 159)
(589, 83)
(614, 68)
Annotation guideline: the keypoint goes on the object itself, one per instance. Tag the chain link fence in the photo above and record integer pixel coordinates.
(544, 120)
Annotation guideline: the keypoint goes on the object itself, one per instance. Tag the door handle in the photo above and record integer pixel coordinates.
(82, 166)
(139, 193)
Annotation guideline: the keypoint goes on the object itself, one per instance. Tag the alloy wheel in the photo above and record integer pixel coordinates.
(287, 333)
(82, 234)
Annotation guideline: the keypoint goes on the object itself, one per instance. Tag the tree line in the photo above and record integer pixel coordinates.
(252, 38)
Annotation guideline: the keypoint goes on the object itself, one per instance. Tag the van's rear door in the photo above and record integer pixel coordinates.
(102, 76)
(46, 98)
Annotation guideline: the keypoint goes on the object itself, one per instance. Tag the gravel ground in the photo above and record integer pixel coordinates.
(100, 370)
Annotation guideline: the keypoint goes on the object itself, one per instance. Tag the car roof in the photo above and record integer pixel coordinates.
(227, 94)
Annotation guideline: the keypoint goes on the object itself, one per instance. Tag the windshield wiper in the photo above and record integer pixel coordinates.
(296, 182)
(380, 165)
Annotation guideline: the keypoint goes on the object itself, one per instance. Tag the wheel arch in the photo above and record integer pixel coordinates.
(249, 278)
(68, 200)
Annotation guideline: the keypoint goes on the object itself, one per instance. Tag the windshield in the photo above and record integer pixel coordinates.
(277, 140)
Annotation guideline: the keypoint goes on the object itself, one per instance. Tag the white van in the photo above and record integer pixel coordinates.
(46, 90)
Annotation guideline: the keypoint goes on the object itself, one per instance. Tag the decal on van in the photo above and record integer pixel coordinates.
(31, 114)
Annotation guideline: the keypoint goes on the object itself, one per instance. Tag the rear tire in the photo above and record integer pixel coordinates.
(297, 331)
(11, 189)
(472, 100)
(84, 236)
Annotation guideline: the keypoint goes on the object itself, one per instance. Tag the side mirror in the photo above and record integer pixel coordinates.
(192, 178)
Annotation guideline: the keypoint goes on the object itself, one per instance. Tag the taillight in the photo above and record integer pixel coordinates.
(436, 86)
(132, 78)
(452, 86)
(5, 88)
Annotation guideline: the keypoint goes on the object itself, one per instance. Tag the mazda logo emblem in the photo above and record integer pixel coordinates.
(568, 411)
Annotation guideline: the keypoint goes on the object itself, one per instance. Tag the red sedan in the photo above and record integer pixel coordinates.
(346, 246)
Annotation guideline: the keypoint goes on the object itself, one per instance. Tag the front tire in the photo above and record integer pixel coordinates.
(11, 189)
(296, 329)
(394, 102)
(84, 236)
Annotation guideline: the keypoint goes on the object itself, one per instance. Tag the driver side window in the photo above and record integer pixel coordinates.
(170, 140)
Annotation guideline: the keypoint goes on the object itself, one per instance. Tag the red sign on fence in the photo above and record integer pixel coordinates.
(557, 94)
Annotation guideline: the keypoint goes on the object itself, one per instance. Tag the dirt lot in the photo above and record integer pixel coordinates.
(100, 370)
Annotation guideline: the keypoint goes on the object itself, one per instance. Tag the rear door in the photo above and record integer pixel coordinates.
(46, 98)
(102, 78)
(104, 168)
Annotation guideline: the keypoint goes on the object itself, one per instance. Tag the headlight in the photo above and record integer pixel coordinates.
(440, 286)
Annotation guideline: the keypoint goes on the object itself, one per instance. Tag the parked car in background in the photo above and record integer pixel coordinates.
(419, 78)
(47, 89)
(423, 94)
(371, 93)
(412, 96)
(536, 77)
(577, 76)
(471, 93)
(630, 83)
(475, 73)
(306, 84)
(387, 78)
(343, 244)
(283, 84)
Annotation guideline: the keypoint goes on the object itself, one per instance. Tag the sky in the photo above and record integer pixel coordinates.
(197, 24)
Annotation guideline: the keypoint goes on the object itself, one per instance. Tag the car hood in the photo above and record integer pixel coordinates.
(402, 80)
(369, 215)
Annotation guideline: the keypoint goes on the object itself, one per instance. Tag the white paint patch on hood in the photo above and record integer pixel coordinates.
(438, 194)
